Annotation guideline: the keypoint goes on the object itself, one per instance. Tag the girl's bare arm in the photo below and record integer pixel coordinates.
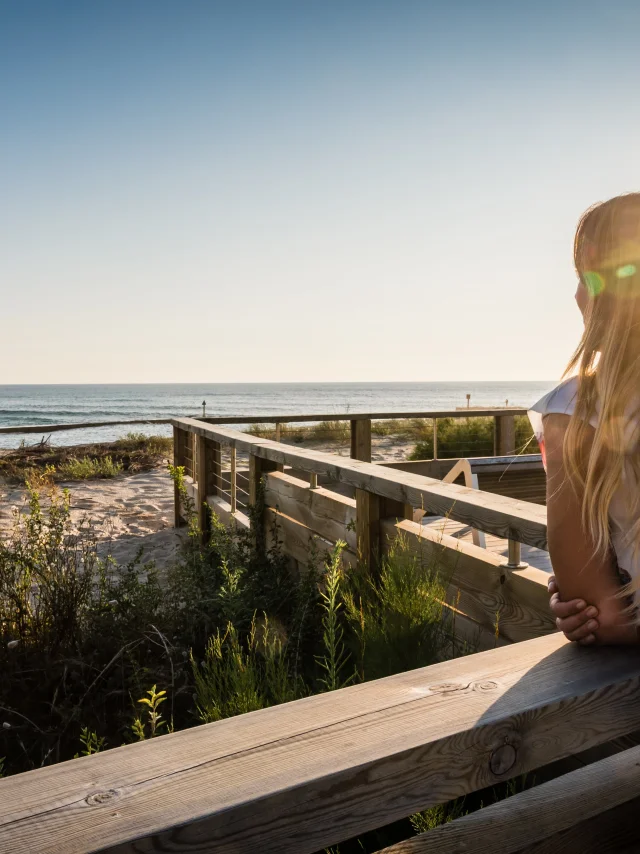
(579, 572)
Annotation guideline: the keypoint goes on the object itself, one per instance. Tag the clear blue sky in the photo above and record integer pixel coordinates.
(321, 190)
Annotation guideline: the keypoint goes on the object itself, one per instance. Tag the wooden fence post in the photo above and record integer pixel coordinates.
(280, 466)
(505, 432)
(232, 476)
(361, 440)
(178, 460)
(258, 467)
(368, 528)
(208, 476)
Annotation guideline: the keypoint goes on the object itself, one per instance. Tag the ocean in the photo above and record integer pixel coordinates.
(62, 404)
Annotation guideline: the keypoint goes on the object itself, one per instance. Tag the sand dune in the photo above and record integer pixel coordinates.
(126, 513)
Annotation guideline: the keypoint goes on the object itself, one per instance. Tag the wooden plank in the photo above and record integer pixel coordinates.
(299, 542)
(324, 512)
(505, 427)
(81, 425)
(537, 558)
(233, 474)
(358, 416)
(208, 476)
(261, 419)
(613, 832)
(223, 511)
(258, 467)
(538, 813)
(178, 460)
(493, 514)
(361, 440)
(368, 528)
(467, 636)
(304, 775)
(518, 601)
(439, 468)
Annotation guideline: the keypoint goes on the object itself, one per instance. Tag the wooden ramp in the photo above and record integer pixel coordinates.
(496, 545)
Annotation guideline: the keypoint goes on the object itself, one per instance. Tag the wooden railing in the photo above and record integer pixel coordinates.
(494, 600)
(298, 777)
(304, 775)
(359, 425)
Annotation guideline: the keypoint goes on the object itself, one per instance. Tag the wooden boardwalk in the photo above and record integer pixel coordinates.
(496, 545)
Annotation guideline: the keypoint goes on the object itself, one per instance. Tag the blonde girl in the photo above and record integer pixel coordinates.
(589, 431)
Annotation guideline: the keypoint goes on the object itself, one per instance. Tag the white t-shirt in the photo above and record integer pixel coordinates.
(562, 400)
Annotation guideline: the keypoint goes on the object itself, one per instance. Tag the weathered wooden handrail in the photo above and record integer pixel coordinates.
(273, 419)
(56, 428)
(368, 416)
(494, 514)
(307, 774)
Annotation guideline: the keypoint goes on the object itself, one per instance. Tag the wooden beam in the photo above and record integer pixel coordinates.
(299, 542)
(516, 601)
(613, 831)
(233, 483)
(208, 476)
(261, 419)
(222, 509)
(505, 427)
(296, 778)
(361, 440)
(538, 813)
(494, 514)
(325, 512)
(178, 460)
(358, 416)
(368, 529)
(81, 425)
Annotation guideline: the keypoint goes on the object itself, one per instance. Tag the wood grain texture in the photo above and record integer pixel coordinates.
(488, 592)
(505, 435)
(494, 514)
(299, 542)
(616, 831)
(208, 477)
(178, 460)
(222, 508)
(324, 512)
(304, 775)
(260, 419)
(368, 528)
(361, 440)
(357, 416)
(499, 465)
(56, 428)
(538, 813)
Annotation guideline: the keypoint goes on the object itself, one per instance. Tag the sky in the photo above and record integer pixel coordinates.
(304, 191)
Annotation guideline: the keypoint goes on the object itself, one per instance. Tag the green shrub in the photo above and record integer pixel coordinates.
(133, 453)
(397, 619)
(239, 676)
(472, 437)
(88, 467)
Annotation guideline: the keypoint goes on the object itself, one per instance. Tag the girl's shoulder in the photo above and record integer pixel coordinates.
(560, 401)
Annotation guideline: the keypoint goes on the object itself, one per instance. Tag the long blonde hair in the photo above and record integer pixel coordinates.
(607, 363)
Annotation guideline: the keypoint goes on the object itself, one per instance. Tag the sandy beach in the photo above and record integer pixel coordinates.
(134, 511)
(127, 512)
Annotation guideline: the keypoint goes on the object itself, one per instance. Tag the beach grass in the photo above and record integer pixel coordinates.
(131, 454)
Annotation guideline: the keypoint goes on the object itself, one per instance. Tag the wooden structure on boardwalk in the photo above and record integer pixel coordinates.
(298, 777)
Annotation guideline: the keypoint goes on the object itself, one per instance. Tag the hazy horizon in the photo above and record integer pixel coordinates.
(280, 192)
(291, 382)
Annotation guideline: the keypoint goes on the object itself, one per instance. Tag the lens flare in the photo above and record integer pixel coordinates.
(594, 282)
(626, 271)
